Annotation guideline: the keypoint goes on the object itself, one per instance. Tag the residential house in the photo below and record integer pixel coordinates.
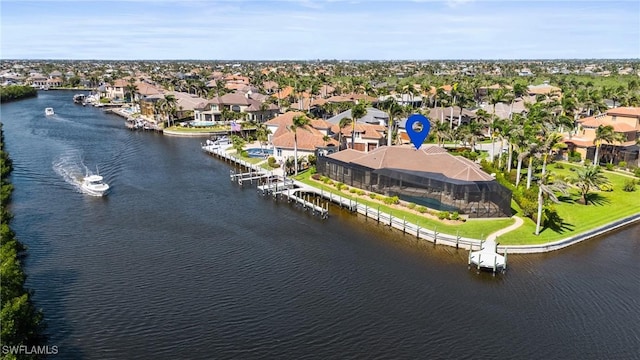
(429, 177)
(310, 138)
(370, 130)
(624, 120)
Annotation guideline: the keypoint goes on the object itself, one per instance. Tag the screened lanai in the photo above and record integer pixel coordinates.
(430, 177)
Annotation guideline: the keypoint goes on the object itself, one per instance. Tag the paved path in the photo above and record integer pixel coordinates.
(515, 225)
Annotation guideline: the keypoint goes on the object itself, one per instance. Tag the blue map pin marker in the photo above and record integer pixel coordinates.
(417, 137)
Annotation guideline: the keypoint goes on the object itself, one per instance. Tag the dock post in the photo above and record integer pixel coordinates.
(378, 213)
(469, 265)
(505, 260)
(390, 218)
(418, 232)
(435, 235)
(457, 238)
(404, 224)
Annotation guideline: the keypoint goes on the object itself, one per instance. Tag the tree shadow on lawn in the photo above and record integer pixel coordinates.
(556, 224)
(596, 199)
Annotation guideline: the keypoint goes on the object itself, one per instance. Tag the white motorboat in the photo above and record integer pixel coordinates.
(49, 111)
(94, 185)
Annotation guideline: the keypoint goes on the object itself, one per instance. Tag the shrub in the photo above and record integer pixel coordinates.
(421, 209)
(455, 215)
(609, 166)
(271, 162)
(636, 172)
(372, 195)
(315, 176)
(442, 215)
(390, 200)
(244, 153)
(587, 162)
(606, 187)
(629, 185)
(380, 197)
(344, 187)
(529, 207)
(558, 166)
(339, 185)
(360, 192)
(411, 205)
(352, 190)
(622, 164)
(312, 170)
(330, 182)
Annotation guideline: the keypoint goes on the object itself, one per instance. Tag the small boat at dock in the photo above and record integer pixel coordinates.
(79, 98)
(49, 111)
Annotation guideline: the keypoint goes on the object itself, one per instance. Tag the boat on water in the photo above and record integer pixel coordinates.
(49, 111)
(79, 98)
(94, 185)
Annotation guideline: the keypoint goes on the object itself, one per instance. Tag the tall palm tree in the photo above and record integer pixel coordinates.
(358, 111)
(603, 133)
(394, 110)
(588, 178)
(495, 97)
(344, 122)
(442, 132)
(547, 189)
(169, 107)
(262, 134)
(131, 89)
(551, 144)
(300, 121)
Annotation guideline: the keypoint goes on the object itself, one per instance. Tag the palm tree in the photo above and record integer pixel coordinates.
(131, 89)
(547, 189)
(262, 134)
(551, 143)
(358, 111)
(300, 121)
(588, 178)
(603, 133)
(442, 132)
(344, 122)
(496, 97)
(394, 110)
(168, 107)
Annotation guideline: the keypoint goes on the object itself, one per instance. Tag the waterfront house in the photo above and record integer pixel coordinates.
(115, 91)
(370, 130)
(310, 138)
(245, 103)
(624, 120)
(429, 177)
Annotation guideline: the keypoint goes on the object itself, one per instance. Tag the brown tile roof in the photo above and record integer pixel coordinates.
(368, 131)
(595, 121)
(308, 139)
(629, 111)
(283, 93)
(236, 98)
(429, 159)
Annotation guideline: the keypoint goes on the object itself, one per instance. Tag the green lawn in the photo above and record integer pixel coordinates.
(197, 129)
(577, 218)
(477, 229)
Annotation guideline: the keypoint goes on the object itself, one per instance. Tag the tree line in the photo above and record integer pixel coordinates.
(21, 323)
(16, 92)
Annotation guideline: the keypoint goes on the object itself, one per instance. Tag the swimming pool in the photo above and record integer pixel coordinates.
(202, 123)
(259, 153)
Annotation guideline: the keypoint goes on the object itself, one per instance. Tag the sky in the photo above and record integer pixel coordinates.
(319, 29)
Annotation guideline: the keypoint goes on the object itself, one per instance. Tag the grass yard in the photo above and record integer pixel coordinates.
(607, 206)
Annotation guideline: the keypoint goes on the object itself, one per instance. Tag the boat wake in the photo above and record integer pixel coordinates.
(72, 169)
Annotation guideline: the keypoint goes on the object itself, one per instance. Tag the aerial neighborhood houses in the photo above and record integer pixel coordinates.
(274, 94)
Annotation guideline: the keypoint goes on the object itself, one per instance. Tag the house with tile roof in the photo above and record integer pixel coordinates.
(429, 177)
(251, 105)
(310, 138)
(370, 130)
(624, 120)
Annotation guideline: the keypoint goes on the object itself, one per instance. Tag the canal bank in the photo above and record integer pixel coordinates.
(428, 234)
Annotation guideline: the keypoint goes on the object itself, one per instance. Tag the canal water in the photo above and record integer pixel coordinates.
(177, 262)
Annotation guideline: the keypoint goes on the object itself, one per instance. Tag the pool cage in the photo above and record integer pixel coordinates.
(477, 199)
